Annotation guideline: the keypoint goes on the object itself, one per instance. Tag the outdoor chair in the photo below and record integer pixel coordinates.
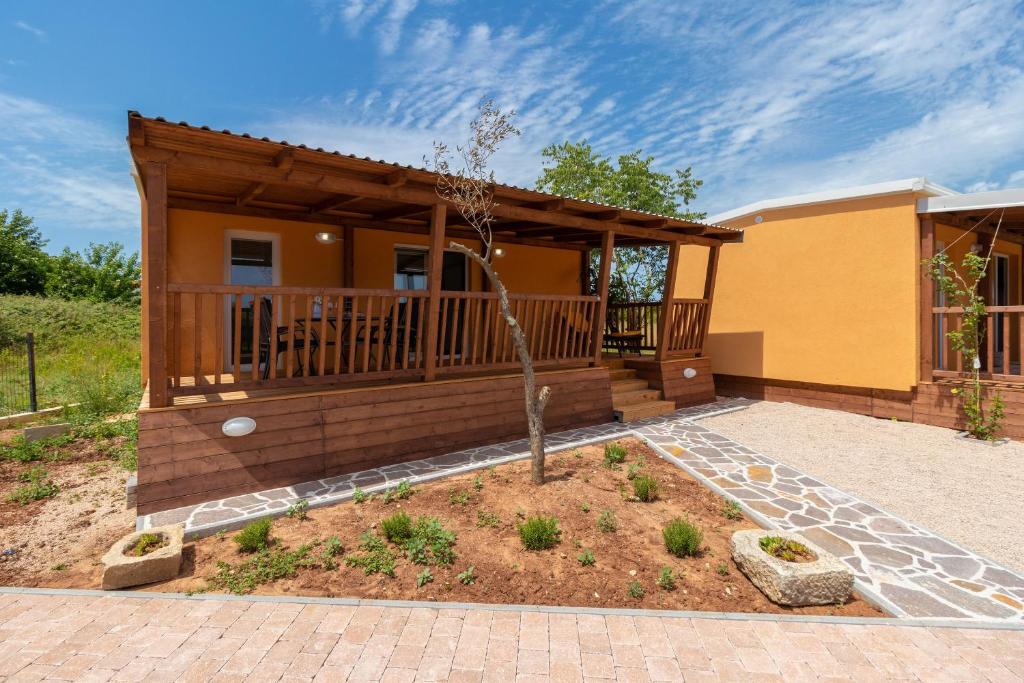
(627, 340)
(267, 328)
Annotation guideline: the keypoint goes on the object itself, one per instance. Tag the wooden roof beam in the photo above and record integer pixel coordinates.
(282, 160)
(400, 212)
(334, 202)
(326, 182)
(396, 178)
(610, 215)
(556, 204)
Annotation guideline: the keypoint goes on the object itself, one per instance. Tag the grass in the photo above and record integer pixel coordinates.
(298, 510)
(255, 536)
(269, 564)
(86, 352)
(488, 519)
(397, 528)
(732, 510)
(682, 538)
(375, 557)
(38, 486)
(614, 454)
(635, 590)
(539, 533)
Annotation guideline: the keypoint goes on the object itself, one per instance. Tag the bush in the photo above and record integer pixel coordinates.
(424, 577)
(606, 522)
(635, 590)
(38, 485)
(298, 509)
(732, 510)
(586, 558)
(430, 542)
(645, 488)
(614, 454)
(682, 539)
(269, 564)
(666, 579)
(485, 518)
(539, 533)
(375, 556)
(255, 536)
(468, 577)
(397, 528)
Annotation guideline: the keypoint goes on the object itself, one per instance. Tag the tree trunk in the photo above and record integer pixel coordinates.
(536, 400)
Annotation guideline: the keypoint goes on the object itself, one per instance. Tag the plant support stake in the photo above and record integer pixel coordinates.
(30, 346)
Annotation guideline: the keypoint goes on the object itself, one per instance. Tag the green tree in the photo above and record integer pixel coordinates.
(575, 170)
(23, 263)
(103, 272)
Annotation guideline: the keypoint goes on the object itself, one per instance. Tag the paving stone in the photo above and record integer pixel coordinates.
(888, 525)
(1007, 600)
(759, 473)
(931, 544)
(851, 534)
(885, 555)
(765, 508)
(963, 599)
(1001, 577)
(829, 542)
(918, 603)
(958, 566)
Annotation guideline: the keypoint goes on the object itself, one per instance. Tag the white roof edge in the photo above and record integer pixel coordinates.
(995, 199)
(918, 184)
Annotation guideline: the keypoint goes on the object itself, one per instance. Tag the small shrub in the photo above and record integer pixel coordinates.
(146, 544)
(375, 556)
(634, 469)
(485, 518)
(539, 533)
(607, 522)
(614, 454)
(332, 549)
(458, 497)
(635, 590)
(430, 542)
(359, 496)
(478, 483)
(38, 486)
(468, 577)
(586, 558)
(397, 528)
(666, 579)
(424, 577)
(268, 564)
(585, 507)
(784, 549)
(255, 536)
(645, 488)
(682, 538)
(298, 509)
(59, 567)
(732, 510)
(404, 490)
(722, 569)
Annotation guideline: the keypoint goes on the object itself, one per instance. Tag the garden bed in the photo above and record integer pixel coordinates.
(484, 509)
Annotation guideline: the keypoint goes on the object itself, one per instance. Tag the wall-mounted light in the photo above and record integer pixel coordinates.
(498, 252)
(238, 426)
(326, 237)
(976, 248)
(689, 373)
(759, 219)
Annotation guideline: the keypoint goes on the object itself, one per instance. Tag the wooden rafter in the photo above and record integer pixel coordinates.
(400, 212)
(335, 202)
(284, 160)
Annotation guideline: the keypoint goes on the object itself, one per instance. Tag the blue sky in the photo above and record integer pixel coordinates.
(762, 99)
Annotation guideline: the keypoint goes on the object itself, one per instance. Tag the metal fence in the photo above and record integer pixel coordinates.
(18, 377)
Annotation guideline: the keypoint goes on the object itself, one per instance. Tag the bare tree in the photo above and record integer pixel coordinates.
(470, 189)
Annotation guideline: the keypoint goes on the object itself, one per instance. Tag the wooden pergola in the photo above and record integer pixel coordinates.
(180, 166)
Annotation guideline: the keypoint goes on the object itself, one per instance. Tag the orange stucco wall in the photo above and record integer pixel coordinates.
(825, 294)
(196, 254)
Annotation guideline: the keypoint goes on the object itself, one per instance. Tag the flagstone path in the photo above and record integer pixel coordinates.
(58, 635)
(906, 569)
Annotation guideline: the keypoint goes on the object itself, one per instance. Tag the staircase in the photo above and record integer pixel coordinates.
(633, 398)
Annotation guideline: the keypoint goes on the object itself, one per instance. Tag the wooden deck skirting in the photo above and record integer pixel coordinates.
(185, 459)
(929, 403)
(668, 376)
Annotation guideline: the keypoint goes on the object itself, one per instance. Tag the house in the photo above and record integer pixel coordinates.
(304, 318)
(826, 303)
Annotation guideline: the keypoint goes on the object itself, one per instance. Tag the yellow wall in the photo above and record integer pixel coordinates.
(825, 294)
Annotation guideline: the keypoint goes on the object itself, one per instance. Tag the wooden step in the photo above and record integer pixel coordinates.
(629, 398)
(640, 411)
(614, 363)
(622, 374)
(622, 385)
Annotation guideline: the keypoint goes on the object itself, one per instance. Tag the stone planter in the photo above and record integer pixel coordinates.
(824, 581)
(121, 570)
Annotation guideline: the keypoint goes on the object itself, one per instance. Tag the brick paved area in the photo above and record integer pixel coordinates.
(126, 638)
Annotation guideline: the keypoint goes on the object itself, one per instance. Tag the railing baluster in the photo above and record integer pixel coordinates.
(325, 311)
(275, 312)
(339, 314)
(176, 340)
(407, 332)
(218, 338)
(367, 333)
(257, 305)
(236, 357)
(989, 344)
(353, 326)
(289, 361)
(1005, 342)
(421, 309)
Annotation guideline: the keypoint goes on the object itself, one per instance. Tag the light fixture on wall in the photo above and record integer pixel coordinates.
(238, 426)
(689, 373)
(326, 237)
(498, 252)
(759, 219)
(976, 248)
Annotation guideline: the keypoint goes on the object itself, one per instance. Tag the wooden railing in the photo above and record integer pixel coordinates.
(473, 334)
(1001, 350)
(222, 336)
(639, 317)
(689, 326)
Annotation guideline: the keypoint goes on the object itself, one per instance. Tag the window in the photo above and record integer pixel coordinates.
(410, 268)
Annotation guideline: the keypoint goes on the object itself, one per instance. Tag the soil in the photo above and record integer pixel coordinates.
(58, 541)
(505, 571)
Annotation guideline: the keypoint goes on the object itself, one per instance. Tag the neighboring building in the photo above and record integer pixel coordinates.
(825, 302)
(314, 293)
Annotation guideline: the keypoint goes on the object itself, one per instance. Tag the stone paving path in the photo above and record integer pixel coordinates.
(59, 636)
(906, 569)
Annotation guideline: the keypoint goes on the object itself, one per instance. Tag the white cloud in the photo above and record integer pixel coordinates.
(29, 28)
(1016, 179)
(389, 17)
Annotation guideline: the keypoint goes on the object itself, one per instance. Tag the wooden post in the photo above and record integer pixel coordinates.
(156, 264)
(665, 319)
(927, 300)
(709, 295)
(348, 256)
(585, 272)
(436, 261)
(604, 276)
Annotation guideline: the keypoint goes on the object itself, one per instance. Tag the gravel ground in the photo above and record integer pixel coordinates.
(967, 491)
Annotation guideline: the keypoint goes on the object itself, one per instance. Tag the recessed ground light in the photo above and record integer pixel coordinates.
(689, 373)
(238, 426)
(326, 237)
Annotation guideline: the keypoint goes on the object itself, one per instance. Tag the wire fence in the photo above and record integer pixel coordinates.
(18, 377)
